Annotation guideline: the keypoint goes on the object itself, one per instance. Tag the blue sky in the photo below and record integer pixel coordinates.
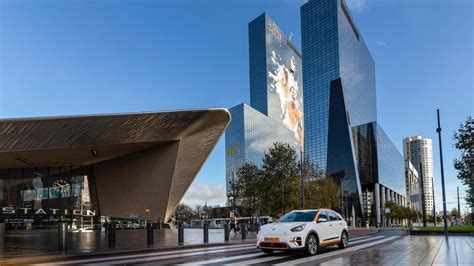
(86, 57)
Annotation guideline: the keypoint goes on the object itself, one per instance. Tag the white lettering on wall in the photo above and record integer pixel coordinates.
(25, 210)
(40, 211)
(12, 210)
(8, 210)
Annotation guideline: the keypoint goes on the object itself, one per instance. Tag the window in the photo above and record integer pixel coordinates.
(323, 214)
(332, 216)
(298, 216)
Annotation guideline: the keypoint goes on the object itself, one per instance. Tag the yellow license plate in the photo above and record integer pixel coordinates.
(272, 239)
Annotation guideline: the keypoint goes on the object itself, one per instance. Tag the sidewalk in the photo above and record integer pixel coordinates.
(41, 246)
(361, 231)
(33, 248)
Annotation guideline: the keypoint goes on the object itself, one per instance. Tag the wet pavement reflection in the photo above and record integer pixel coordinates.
(44, 242)
(414, 250)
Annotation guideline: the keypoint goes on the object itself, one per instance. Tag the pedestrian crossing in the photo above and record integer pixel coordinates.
(235, 254)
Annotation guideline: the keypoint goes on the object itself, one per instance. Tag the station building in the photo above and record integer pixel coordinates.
(81, 168)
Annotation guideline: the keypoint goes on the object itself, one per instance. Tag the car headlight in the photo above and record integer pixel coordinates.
(299, 228)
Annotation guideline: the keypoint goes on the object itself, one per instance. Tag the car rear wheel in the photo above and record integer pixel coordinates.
(269, 251)
(311, 245)
(344, 240)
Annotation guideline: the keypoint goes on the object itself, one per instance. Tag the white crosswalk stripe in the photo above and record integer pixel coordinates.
(364, 240)
(270, 258)
(260, 258)
(161, 257)
(360, 237)
(220, 260)
(338, 252)
(177, 253)
(356, 243)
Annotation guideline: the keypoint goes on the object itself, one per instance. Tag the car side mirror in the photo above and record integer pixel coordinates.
(322, 220)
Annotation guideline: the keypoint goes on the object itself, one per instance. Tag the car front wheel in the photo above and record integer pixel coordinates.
(344, 240)
(311, 245)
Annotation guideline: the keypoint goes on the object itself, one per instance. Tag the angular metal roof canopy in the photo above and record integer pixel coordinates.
(150, 157)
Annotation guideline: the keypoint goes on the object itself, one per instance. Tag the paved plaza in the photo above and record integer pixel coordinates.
(386, 247)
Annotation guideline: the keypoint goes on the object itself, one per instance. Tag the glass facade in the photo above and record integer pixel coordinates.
(276, 85)
(32, 198)
(332, 49)
(342, 136)
(379, 161)
(249, 135)
(391, 165)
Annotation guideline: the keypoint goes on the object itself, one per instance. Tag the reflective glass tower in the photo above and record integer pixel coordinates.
(275, 113)
(342, 136)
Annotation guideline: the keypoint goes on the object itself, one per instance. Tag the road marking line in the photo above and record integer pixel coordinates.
(338, 252)
(260, 256)
(160, 257)
(176, 252)
(259, 260)
(245, 256)
(366, 239)
(359, 237)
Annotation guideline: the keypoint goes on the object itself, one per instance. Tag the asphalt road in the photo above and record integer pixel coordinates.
(388, 247)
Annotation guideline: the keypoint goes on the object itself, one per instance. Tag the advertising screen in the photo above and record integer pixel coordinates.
(284, 81)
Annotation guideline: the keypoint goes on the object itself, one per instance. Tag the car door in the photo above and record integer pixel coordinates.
(335, 225)
(322, 226)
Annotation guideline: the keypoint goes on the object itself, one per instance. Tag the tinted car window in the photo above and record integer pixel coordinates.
(323, 214)
(298, 216)
(332, 216)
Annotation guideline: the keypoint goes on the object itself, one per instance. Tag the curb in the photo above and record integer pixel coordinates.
(434, 233)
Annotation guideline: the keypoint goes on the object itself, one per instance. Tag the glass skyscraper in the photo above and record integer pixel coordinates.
(342, 136)
(248, 137)
(276, 111)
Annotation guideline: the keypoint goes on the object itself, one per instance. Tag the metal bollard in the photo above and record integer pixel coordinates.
(62, 237)
(206, 232)
(149, 234)
(180, 234)
(244, 231)
(226, 232)
(111, 235)
(2, 239)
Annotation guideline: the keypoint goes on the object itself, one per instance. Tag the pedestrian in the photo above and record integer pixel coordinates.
(233, 220)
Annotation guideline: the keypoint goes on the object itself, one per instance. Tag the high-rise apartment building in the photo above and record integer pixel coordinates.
(419, 151)
(275, 113)
(342, 136)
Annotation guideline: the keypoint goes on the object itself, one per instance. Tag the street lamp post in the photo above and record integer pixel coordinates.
(434, 202)
(303, 170)
(445, 218)
(62, 227)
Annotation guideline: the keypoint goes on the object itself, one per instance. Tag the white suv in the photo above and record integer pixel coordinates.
(304, 230)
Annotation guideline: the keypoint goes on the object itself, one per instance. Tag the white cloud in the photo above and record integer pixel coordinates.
(357, 5)
(198, 194)
(381, 43)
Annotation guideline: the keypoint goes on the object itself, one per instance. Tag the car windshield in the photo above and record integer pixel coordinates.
(298, 216)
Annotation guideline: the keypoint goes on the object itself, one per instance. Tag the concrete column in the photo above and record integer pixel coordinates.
(383, 204)
(377, 203)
